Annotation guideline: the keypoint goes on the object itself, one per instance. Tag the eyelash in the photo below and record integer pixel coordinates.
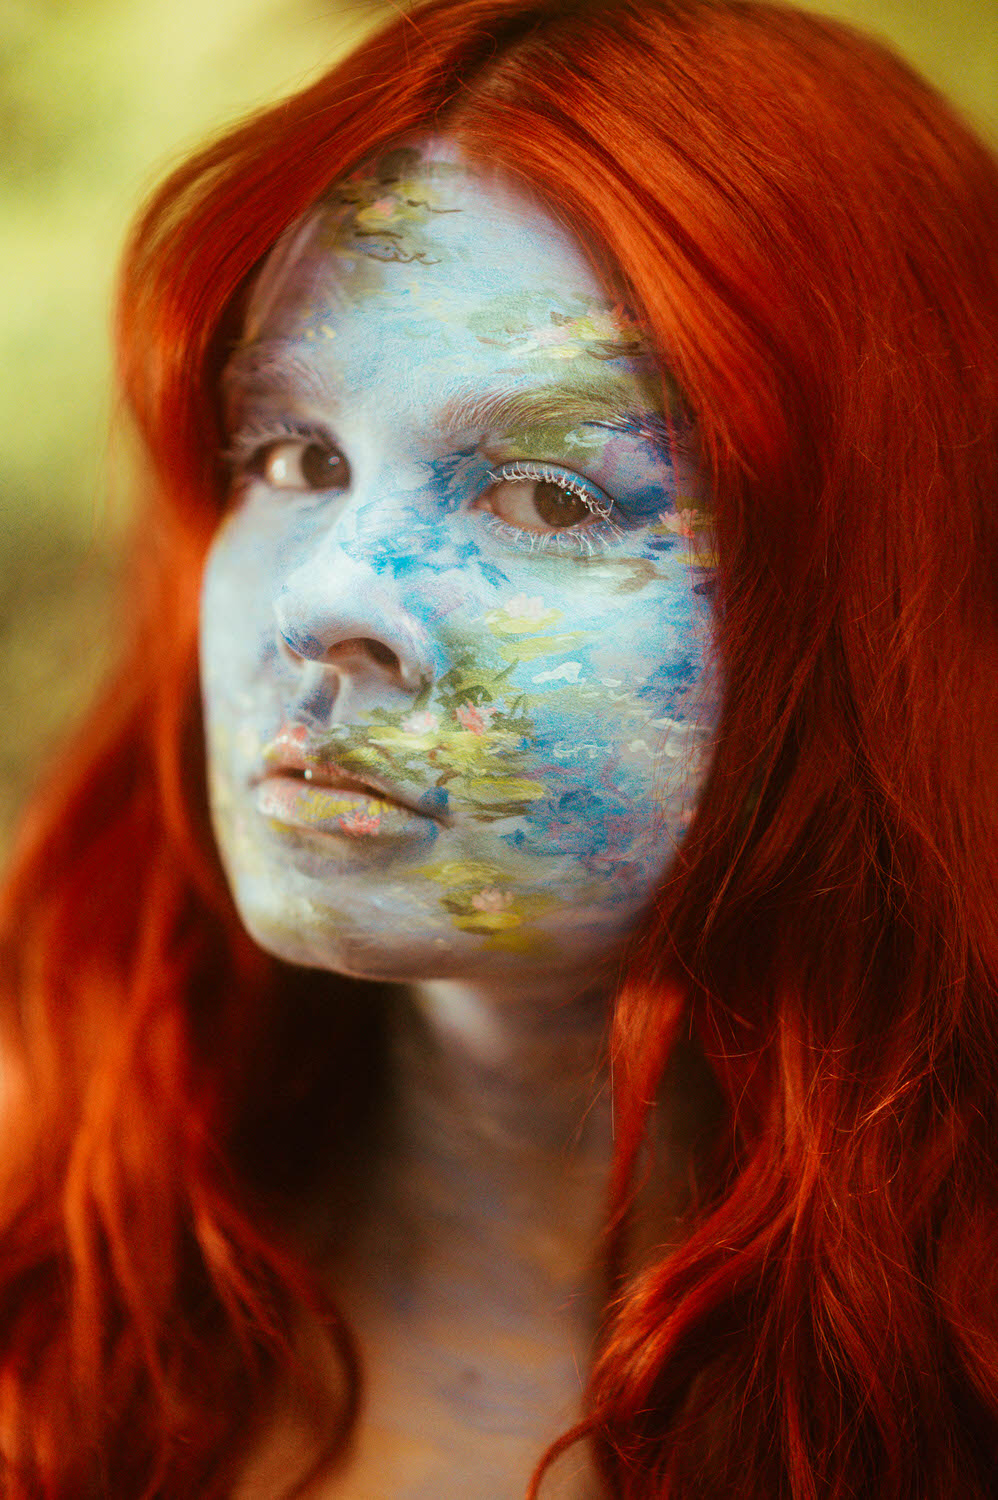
(521, 469)
(580, 543)
(248, 443)
(246, 446)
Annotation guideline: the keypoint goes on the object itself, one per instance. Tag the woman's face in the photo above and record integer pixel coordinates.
(456, 625)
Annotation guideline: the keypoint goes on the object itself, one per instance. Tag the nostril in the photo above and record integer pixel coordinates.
(382, 654)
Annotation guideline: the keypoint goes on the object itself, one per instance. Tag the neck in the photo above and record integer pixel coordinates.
(494, 1165)
(510, 1073)
(475, 1281)
(502, 1115)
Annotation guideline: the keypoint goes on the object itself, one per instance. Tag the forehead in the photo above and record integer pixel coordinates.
(421, 258)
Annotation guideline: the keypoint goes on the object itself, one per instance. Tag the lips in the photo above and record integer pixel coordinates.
(290, 757)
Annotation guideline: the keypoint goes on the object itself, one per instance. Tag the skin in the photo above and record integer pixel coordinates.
(467, 559)
(538, 692)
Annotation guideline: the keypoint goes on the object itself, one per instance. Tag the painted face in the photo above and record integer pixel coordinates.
(456, 625)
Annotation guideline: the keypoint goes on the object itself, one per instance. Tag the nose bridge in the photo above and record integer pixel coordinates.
(345, 589)
(368, 518)
(383, 523)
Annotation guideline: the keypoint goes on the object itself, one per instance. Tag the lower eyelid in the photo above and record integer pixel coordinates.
(569, 542)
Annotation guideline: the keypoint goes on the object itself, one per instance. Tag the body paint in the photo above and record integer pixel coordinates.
(537, 704)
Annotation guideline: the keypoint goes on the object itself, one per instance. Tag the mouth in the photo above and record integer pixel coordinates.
(289, 759)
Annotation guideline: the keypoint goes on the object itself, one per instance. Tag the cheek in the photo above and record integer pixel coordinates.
(258, 547)
(615, 720)
(237, 638)
(611, 653)
(238, 573)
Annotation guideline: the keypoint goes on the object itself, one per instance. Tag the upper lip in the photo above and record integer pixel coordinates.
(290, 753)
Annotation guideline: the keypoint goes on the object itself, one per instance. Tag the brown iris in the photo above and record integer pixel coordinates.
(324, 468)
(557, 506)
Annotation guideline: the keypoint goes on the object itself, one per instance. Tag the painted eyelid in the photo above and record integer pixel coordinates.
(586, 542)
(249, 439)
(598, 501)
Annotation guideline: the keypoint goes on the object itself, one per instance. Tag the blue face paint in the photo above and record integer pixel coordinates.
(480, 542)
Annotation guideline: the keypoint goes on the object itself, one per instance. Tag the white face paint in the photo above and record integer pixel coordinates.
(455, 627)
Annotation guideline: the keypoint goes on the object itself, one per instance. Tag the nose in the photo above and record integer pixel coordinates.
(349, 633)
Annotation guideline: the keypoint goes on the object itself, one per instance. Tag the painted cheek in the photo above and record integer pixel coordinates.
(594, 806)
(553, 672)
(610, 760)
(237, 586)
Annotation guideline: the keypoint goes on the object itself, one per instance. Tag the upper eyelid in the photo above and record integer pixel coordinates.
(247, 438)
(521, 468)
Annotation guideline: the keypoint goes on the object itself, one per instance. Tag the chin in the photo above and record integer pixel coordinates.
(298, 931)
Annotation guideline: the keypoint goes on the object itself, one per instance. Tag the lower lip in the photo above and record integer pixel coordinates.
(294, 803)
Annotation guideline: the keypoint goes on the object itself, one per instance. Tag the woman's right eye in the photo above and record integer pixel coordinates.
(300, 464)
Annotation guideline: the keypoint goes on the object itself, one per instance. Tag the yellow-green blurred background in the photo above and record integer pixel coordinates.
(97, 99)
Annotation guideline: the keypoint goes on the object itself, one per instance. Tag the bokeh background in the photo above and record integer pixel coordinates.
(98, 98)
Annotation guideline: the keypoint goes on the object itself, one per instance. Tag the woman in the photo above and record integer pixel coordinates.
(645, 740)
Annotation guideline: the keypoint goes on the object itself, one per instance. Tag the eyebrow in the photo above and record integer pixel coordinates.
(517, 408)
(261, 369)
(576, 404)
(264, 369)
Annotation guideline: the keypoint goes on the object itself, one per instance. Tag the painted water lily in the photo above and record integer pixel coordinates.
(521, 614)
(422, 722)
(492, 899)
(477, 718)
(522, 607)
(602, 333)
(568, 672)
(381, 211)
(607, 323)
(679, 522)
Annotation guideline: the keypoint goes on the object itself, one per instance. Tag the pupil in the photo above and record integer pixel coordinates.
(558, 507)
(324, 468)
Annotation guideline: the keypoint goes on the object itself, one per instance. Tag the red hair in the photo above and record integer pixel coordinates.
(812, 237)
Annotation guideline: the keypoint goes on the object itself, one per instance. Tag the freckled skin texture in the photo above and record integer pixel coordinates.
(466, 565)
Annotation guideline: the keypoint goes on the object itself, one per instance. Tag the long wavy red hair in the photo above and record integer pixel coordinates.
(812, 237)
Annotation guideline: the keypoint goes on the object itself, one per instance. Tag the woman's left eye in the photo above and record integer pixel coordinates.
(536, 499)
